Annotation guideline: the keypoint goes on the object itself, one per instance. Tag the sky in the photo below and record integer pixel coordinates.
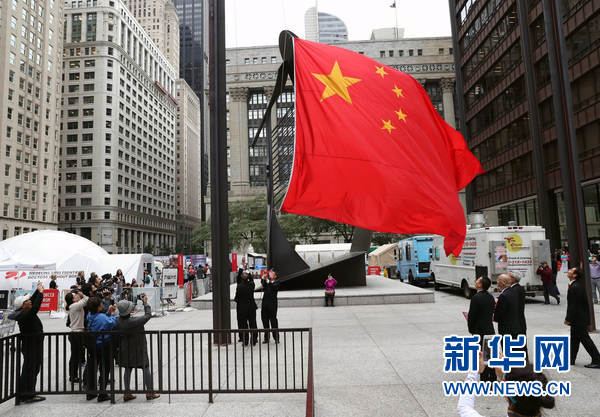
(258, 22)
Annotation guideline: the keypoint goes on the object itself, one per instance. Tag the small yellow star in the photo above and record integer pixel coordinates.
(398, 91)
(381, 71)
(387, 126)
(401, 115)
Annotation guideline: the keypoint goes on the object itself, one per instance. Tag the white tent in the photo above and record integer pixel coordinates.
(384, 255)
(34, 256)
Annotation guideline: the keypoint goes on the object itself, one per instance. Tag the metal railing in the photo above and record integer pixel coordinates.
(179, 361)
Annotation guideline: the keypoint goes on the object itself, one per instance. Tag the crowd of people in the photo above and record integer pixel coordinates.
(509, 314)
(91, 307)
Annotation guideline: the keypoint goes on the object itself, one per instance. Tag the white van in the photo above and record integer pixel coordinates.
(492, 251)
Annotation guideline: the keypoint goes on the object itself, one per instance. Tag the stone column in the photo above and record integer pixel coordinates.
(447, 85)
(239, 142)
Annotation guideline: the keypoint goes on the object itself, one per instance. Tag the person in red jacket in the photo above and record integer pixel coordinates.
(545, 273)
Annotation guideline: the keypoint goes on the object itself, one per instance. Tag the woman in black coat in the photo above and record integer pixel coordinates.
(133, 350)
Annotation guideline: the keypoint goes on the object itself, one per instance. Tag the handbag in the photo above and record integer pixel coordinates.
(329, 292)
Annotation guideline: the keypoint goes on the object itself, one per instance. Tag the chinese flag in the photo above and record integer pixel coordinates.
(372, 151)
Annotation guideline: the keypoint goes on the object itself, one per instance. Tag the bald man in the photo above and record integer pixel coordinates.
(507, 308)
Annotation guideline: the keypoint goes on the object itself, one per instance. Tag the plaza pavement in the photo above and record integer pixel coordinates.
(381, 360)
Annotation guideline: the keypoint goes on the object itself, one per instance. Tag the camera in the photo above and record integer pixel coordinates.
(140, 297)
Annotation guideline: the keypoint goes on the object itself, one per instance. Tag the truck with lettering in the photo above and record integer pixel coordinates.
(414, 259)
(492, 251)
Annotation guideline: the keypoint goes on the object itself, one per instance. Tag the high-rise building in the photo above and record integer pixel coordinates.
(117, 184)
(188, 164)
(251, 76)
(159, 19)
(505, 93)
(324, 27)
(193, 67)
(31, 45)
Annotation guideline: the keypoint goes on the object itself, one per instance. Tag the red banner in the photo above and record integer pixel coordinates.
(180, 270)
(50, 300)
(234, 265)
(374, 270)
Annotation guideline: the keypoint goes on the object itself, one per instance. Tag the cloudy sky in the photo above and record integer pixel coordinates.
(258, 22)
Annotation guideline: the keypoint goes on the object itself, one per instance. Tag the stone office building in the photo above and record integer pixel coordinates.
(30, 68)
(251, 74)
(117, 174)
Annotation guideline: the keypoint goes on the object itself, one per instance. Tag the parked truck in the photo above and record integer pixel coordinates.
(414, 259)
(491, 251)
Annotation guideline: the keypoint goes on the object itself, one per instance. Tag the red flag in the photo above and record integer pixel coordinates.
(372, 151)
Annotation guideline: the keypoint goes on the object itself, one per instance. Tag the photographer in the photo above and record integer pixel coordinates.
(133, 350)
(32, 331)
(107, 299)
(99, 352)
(545, 274)
(75, 304)
(246, 307)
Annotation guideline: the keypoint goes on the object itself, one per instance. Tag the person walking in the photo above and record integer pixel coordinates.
(99, 352)
(595, 275)
(578, 318)
(564, 261)
(133, 348)
(75, 304)
(32, 342)
(330, 284)
(268, 310)
(246, 307)
(545, 274)
(515, 278)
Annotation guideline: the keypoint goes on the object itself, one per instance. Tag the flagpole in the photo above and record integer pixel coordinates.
(396, 13)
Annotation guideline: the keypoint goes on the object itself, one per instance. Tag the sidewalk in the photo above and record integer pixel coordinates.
(383, 360)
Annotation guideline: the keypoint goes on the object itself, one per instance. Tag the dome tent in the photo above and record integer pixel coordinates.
(34, 256)
(46, 248)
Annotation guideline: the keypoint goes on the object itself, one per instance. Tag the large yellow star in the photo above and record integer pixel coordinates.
(398, 91)
(401, 115)
(336, 83)
(387, 126)
(381, 71)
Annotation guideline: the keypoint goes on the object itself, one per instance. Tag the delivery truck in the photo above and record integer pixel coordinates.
(491, 251)
(414, 258)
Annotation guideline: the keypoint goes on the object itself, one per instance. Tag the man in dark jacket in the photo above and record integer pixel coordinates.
(133, 350)
(507, 308)
(515, 278)
(578, 317)
(545, 274)
(481, 309)
(246, 307)
(479, 319)
(268, 310)
(32, 340)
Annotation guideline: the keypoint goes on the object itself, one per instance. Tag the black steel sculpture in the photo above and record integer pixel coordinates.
(294, 273)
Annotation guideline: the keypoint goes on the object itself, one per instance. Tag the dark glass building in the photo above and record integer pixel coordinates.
(506, 110)
(192, 61)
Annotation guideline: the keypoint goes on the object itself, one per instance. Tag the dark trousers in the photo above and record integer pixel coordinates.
(247, 320)
(32, 362)
(329, 299)
(550, 290)
(75, 361)
(99, 361)
(579, 334)
(268, 315)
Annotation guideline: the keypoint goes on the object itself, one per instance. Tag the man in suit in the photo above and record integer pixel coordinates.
(268, 310)
(515, 278)
(246, 307)
(578, 318)
(479, 319)
(507, 308)
(481, 309)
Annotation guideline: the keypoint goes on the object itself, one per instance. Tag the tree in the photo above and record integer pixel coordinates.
(379, 239)
(247, 225)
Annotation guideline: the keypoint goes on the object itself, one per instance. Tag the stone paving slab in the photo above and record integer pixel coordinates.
(378, 291)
